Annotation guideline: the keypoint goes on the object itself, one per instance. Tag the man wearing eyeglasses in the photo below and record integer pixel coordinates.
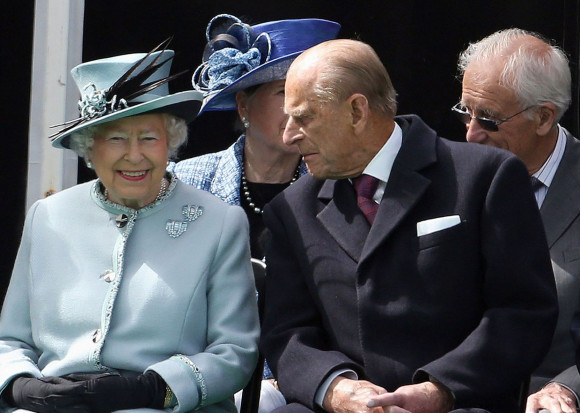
(516, 87)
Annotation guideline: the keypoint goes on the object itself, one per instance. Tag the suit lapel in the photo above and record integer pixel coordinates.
(562, 203)
(406, 183)
(403, 191)
(346, 223)
(342, 218)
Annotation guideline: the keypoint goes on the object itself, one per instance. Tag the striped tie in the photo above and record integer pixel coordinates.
(365, 187)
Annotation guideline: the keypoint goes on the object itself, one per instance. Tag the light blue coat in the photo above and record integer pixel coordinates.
(86, 296)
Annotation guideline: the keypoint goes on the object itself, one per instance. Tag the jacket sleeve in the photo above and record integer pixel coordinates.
(294, 339)
(570, 379)
(227, 362)
(17, 352)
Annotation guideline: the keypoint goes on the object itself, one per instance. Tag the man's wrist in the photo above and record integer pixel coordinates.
(447, 396)
(566, 390)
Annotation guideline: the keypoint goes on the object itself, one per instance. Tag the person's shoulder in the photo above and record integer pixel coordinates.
(66, 202)
(572, 144)
(198, 162)
(300, 193)
(205, 161)
(475, 149)
(192, 194)
(304, 185)
(79, 191)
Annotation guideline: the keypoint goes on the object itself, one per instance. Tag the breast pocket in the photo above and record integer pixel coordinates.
(440, 237)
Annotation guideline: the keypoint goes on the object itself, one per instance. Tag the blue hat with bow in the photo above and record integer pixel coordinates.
(238, 56)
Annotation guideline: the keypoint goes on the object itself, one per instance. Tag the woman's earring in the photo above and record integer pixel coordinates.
(246, 122)
(89, 164)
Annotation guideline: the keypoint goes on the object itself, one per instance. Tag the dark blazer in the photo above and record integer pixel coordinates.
(473, 305)
(561, 215)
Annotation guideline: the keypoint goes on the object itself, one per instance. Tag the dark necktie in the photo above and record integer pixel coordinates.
(365, 187)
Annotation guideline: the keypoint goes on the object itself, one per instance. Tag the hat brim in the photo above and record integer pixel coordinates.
(185, 105)
(270, 71)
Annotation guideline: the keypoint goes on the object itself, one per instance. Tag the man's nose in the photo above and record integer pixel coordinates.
(474, 132)
(291, 132)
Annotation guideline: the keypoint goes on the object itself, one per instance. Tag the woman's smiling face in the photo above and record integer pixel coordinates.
(129, 156)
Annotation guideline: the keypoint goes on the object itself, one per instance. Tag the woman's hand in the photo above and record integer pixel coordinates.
(86, 393)
(46, 395)
(108, 392)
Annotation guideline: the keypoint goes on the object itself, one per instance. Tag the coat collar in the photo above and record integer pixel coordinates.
(343, 219)
(226, 182)
(562, 203)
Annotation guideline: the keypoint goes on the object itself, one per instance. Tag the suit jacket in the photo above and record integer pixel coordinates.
(561, 215)
(474, 305)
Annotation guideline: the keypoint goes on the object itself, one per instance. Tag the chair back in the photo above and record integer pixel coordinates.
(251, 393)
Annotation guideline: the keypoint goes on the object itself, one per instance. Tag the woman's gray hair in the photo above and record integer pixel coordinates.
(359, 70)
(82, 141)
(536, 74)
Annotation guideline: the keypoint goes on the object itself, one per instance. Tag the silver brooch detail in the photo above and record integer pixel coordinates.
(190, 213)
(175, 228)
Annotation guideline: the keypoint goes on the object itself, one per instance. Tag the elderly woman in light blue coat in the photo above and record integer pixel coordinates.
(133, 291)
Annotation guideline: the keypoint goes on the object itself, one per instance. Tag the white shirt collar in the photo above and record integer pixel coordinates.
(546, 173)
(381, 165)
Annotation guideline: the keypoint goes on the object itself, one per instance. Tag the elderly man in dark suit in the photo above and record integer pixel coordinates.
(434, 292)
(516, 87)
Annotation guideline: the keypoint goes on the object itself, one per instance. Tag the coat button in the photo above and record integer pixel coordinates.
(121, 220)
(97, 335)
(108, 276)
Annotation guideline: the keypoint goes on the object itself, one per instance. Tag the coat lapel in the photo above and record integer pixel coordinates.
(346, 223)
(403, 192)
(342, 218)
(226, 182)
(406, 184)
(562, 203)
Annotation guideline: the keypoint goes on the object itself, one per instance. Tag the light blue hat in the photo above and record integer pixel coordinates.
(239, 56)
(127, 85)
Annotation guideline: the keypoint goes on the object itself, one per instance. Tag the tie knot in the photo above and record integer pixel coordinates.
(365, 186)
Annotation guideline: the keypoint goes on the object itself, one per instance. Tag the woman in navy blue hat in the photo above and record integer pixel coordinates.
(243, 69)
(132, 292)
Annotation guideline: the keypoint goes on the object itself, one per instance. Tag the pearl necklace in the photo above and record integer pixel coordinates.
(161, 194)
(246, 190)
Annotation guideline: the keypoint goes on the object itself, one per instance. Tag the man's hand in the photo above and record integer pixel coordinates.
(351, 396)
(424, 397)
(555, 398)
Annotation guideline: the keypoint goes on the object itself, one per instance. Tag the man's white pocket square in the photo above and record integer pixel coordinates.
(437, 224)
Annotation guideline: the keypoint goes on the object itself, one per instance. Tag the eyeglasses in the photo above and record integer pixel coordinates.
(491, 125)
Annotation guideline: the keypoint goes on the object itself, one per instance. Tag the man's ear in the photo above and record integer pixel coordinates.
(359, 108)
(547, 118)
